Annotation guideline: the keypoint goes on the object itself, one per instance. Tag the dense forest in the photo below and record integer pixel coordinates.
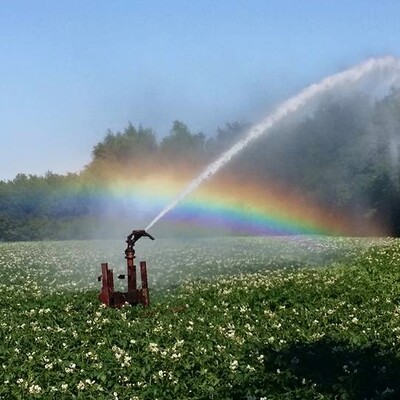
(344, 154)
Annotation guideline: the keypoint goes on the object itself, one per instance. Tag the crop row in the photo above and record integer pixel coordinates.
(249, 318)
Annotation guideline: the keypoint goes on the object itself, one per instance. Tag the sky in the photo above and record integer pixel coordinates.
(72, 69)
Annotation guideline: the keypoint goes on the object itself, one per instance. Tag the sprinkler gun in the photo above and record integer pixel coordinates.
(136, 235)
(134, 295)
(132, 239)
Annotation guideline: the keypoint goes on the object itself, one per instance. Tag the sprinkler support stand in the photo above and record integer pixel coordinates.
(134, 295)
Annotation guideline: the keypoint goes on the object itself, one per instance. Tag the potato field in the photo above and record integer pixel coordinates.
(230, 318)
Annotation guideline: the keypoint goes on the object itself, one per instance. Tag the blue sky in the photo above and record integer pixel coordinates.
(71, 69)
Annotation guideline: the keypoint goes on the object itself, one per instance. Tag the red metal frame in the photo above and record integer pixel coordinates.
(133, 296)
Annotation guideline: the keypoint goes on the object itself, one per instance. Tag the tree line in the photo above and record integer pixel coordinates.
(345, 154)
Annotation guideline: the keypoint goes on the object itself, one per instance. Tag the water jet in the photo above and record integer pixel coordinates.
(389, 67)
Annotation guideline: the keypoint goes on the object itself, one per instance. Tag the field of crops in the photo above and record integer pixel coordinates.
(231, 318)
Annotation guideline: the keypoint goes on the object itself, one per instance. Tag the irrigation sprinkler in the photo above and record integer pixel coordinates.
(134, 295)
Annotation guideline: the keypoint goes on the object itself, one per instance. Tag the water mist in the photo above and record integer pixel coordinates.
(390, 66)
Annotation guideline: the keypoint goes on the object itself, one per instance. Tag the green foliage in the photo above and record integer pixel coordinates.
(181, 144)
(121, 147)
(34, 208)
(226, 137)
(323, 331)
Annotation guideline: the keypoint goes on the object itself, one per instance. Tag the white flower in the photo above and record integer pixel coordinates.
(153, 347)
(233, 365)
(35, 389)
(161, 373)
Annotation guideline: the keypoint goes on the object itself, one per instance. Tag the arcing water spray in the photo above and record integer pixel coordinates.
(388, 65)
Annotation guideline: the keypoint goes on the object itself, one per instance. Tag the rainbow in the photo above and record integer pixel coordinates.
(238, 206)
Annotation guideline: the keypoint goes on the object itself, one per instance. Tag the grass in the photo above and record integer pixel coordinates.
(243, 318)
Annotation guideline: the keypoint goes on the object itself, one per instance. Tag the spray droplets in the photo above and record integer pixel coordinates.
(389, 65)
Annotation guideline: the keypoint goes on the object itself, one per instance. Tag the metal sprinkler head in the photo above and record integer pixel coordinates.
(131, 239)
(137, 234)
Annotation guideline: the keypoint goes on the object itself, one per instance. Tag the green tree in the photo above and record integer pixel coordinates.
(226, 137)
(130, 145)
(181, 144)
